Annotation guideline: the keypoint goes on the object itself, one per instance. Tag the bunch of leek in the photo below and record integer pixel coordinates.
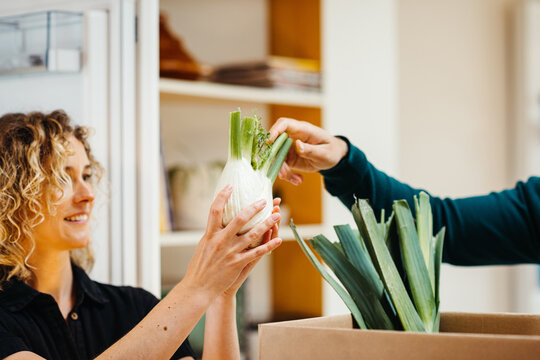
(251, 168)
(389, 270)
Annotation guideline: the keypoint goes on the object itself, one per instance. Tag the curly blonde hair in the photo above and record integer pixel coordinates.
(33, 153)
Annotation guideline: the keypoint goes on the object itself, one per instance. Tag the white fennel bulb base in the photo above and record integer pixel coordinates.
(251, 169)
(248, 186)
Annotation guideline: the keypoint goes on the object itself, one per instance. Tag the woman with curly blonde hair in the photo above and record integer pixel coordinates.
(49, 307)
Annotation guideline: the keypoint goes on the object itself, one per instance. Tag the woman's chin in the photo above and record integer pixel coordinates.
(79, 243)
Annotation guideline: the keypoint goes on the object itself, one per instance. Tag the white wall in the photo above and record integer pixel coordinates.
(43, 92)
(454, 91)
(214, 32)
(359, 58)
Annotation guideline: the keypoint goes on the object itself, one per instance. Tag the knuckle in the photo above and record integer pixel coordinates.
(254, 235)
(214, 210)
(255, 207)
(326, 156)
(260, 251)
(217, 245)
(249, 212)
(207, 235)
(219, 197)
(243, 217)
(236, 260)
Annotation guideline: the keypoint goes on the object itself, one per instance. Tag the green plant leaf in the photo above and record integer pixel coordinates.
(357, 284)
(358, 257)
(368, 226)
(437, 259)
(335, 285)
(424, 229)
(415, 266)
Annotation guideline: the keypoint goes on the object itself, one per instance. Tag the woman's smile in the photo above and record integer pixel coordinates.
(80, 218)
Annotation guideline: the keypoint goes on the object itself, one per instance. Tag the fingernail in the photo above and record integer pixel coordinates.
(300, 146)
(228, 187)
(261, 202)
(295, 181)
(275, 216)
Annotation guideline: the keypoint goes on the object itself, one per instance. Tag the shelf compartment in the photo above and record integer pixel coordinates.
(41, 41)
(192, 237)
(203, 89)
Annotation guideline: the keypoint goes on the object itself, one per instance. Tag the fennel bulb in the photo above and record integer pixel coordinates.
(251, 169)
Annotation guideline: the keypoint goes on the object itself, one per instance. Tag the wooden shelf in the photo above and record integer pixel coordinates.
(210, 90)
(192, 237)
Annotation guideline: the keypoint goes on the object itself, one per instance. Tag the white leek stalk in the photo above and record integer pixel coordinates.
(252, 168)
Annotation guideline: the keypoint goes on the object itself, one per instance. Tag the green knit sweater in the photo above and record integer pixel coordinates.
(498, 228)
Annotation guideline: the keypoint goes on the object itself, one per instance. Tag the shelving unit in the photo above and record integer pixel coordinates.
(273, 291)
(208, 90)
(192, 237)
(358, 88)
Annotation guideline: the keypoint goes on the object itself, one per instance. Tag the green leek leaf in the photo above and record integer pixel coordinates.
(415, 267)
(424, 229)
(357, 284)
(437, 259)
(368, 226)
(335, 285)
(358, 258)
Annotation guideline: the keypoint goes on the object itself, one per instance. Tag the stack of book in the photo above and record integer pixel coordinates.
(275, 72)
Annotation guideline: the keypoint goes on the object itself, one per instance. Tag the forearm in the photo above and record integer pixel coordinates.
(221, 334)
(355, 176)
(164, 329)
(498, 228)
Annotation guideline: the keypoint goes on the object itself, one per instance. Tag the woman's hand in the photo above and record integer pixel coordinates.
(314, 149)
(269, 235)
(220, 258)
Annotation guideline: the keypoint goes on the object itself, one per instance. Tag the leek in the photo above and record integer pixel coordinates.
(389, 269)
(251, 168)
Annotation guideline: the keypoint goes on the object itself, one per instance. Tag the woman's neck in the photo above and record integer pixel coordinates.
(53, 275)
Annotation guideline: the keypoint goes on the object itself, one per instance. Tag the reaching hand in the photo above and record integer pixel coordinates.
(221, 256)
(269, 235)
(314, 149)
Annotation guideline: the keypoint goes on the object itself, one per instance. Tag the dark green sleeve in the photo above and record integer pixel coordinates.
(498, 228)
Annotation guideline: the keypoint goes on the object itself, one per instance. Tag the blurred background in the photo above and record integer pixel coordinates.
(443, 95)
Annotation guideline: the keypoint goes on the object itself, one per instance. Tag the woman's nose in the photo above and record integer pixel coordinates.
(84, 192)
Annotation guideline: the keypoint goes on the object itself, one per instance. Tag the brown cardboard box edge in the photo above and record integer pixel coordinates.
(464, 336)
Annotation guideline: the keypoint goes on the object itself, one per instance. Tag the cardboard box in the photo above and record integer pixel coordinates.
(463, 336)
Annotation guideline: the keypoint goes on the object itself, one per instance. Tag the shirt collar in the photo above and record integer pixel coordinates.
(88, 287)
(16, 295)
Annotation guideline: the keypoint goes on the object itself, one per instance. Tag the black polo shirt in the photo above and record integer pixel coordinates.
(32, 321)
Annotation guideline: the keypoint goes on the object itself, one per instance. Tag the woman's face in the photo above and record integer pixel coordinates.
(69, 227)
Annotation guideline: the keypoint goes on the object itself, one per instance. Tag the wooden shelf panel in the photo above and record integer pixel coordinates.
(192, 237)
(210, 90)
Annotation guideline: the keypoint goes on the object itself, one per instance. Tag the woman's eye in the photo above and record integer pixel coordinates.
(87, 177)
